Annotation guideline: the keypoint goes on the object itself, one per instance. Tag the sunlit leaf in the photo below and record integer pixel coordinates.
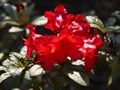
(36, 70)
(109, 80)
(15, 29)
(114, 29)
(116, 14)
(11, 22)
(16, 71)
(7, 63)
(4, 76)
(40, 21)
(23, 51)
(1, 55)
(2, 68)
(79, 77)
(78, 62)
(10, 10)
(7, 20)
(95, 22)
(16, 89)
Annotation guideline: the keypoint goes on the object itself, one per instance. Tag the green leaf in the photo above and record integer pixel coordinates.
(4, 76)
(79, 77)
(15, 29)
(36, 70)
(114, 29)
(40, 21)
(98, 27)
(116, 14)
(7, 21)
(1, 55)
(110, 21)
(60, 82)
(78, 62)
(30, 9)
(115, 69)
(10, 10)
(23, 51)
(95, 22)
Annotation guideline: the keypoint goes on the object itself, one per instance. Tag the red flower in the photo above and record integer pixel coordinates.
(53, 49)
(56, 48)
(40, 44)
(58, 18)
(73, 39)
(78, 26)
(32, 39)
(70, 44)
(29, 41)
(90, 51)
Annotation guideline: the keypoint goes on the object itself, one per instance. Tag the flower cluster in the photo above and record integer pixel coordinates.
(72, 38)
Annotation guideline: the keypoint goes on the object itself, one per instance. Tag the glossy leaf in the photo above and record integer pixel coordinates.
(4, 76)
(114, 29)
(79, 77)
(1, 55)
(40, 21)
(36, 70)
(94, 20)
(10, 10)
(96, 23)
(116, 14)
(78, 62)
(15, 29)
(110, 21)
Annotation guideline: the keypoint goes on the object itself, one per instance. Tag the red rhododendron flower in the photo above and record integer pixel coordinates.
(58, 18)
(78, 26)
(73, 39)
(53, 49)
(70, 44)
(29, 41)
(90, 51)
(40, 44)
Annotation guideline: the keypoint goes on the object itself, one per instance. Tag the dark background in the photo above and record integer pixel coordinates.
(102, 8)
